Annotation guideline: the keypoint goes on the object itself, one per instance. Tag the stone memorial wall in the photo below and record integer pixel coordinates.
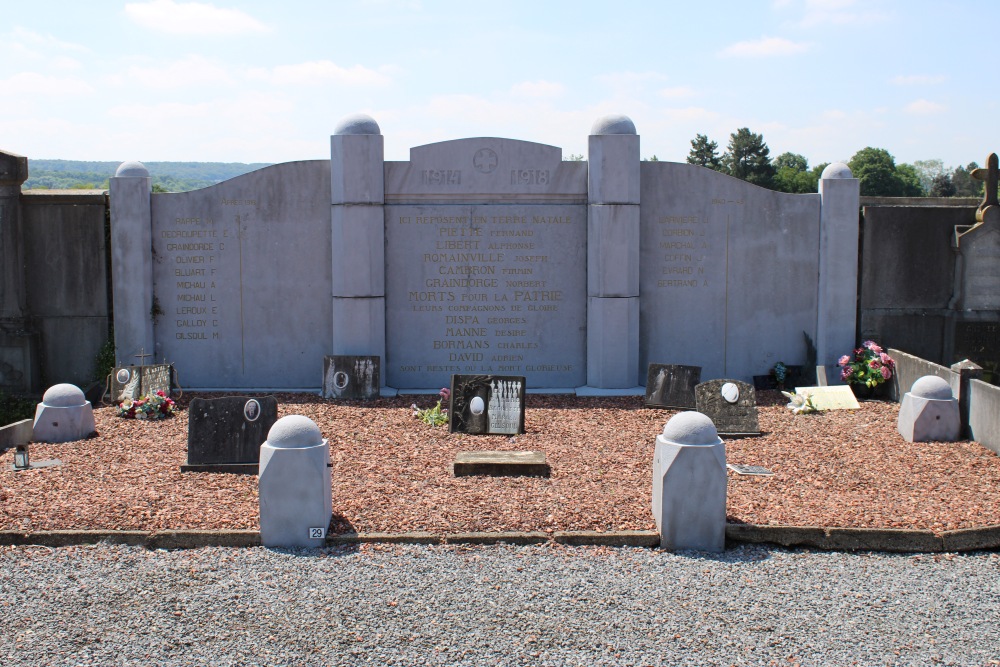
(481, 256)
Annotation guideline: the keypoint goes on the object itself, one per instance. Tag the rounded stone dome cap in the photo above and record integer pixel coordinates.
(132, 168)
(64, 396)
(691, 428)
(933, 387)
(837, 170)
(613, 124)
(358, 123)
(294, 432)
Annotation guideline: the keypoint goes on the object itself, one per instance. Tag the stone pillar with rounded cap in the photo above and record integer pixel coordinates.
(295, 490)
(689, 484)
(838, 263)
(929, 412)
(613, 254)
(358, 231)
(64, 415)
(132, 260)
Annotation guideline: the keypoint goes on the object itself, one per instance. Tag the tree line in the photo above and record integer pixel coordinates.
(748, 158)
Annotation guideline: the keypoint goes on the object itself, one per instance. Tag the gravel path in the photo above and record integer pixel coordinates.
(498, 605)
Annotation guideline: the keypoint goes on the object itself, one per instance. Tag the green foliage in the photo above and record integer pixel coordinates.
(928, 170)
(14, 408)
(876, 169)
(910, 178)
(574, 157)
(748, 158)
(651, 159)
(965, 184)
(942, 186)
(166, 176)
(436, 416)
(705, 153)
(791, 160)
(104, 363)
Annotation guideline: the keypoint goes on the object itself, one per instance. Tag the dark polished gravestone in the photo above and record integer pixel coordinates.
(137, 381)
(347, 376)
(225, 434)
(486, 404)
(671, 386)
(980, 342)
(731, 405)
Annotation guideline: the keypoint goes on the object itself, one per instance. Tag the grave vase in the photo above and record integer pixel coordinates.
(863, 392)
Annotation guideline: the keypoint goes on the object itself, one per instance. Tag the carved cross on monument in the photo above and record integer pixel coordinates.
(989, 174)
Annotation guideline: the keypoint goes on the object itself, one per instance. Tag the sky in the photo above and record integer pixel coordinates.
(255, 81)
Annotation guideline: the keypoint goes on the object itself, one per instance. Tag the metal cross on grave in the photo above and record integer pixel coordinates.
(142, 356)
(989, 174)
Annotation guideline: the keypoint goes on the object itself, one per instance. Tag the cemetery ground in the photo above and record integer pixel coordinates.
(392, 473)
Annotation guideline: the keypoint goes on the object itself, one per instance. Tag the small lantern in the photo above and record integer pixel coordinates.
(21, 458)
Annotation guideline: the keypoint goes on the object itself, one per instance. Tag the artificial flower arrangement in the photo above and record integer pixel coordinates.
(436, 416)
(870, 366)
(157, 406)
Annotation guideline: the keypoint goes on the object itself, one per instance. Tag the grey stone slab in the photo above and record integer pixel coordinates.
(729, 278)
(18, 433)
(672, 386)
(613, 174)
(243, 279)
(731, 405)
(984, 414)
(979, 247)
(486, 289)
(613, 250)
(351, 377)
(132, 274)
(358, 251)
(486, 404)
(356, 174)
(137, 381)
(69, 346)
(501, 464)
(838, 263)
(228, 430)
(613, 342)
(910, 368)
(489, 168)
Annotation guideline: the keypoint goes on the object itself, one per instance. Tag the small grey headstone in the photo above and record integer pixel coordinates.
(136, 381)
(741, 469)
(671, 386)
(486, 404)
(351, 377)
(731, 405)
(225, 434)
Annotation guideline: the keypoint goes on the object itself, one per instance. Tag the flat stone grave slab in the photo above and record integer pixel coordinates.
(136, 381)
(731, 405)
(225, 434)
(501, 464)
(486, 404)
(351, 377)
(741, 469)
(672, 386)
(836, 397)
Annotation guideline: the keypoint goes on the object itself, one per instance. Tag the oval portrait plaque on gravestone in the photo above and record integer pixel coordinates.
(251, 410)
(730, 392)
(123, 375)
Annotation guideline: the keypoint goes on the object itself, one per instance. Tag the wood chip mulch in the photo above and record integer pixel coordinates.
(392, 473)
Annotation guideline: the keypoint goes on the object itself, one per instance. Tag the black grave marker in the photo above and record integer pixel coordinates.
(979, 342)
(795, 376)
(486, 404)
(137, 381)
(731, 405)
(671, 386)
(350, 377)
(225, 434)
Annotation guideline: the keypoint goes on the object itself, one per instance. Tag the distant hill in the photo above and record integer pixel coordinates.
(167, 176)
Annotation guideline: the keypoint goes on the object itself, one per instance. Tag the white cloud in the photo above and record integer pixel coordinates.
(764, 47)
(677, 92)
(192, 18)
(925, 108)
(33, 83)
(918, 79)
(191, 71)
(538, 89)
(830, 12)
(321, 71)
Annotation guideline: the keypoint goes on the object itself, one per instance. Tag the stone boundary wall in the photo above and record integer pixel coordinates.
(984, 414)
(910, 368)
